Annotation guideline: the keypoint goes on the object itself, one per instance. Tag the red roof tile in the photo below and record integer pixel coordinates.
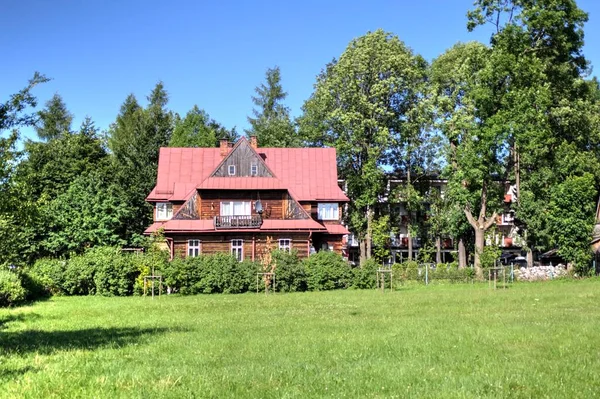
(336, 229)
(309, 173)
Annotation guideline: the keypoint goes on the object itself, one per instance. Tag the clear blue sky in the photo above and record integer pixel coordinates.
(210, 53)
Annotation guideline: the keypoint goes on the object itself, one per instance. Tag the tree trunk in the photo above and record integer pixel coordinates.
(480, 225)
(462, 254)
(529, 258)
(369, 236)
(438, 250)
(479, 245)
(363, 251)
(410, 243)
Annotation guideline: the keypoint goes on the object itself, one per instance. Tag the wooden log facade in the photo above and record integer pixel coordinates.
(240, 202)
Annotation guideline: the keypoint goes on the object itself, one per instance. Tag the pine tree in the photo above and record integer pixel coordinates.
(271, 123)
(54, 120)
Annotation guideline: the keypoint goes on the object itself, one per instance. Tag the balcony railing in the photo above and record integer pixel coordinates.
(238, 222)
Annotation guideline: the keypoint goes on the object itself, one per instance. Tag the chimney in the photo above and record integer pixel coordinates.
(224, 147)
(253, 142)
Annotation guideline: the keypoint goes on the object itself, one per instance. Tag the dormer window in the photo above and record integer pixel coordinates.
(164, 211)
(328, 211)
(231, 170)
(253, 169)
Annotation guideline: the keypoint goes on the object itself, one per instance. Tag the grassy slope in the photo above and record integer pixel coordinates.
(532, 340)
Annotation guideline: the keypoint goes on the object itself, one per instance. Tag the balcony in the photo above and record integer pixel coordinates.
(238, 222)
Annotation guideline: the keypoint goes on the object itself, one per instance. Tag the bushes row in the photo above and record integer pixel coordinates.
(109, 272)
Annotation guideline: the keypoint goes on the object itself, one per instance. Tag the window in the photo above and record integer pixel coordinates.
(231, 170)
(285, 244)
(253, 169)
(237, 249)
(193, 248)
(328, 211)
(235, 208)
(164, 211)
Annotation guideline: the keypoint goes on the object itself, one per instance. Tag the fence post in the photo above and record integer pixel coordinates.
(426, 274)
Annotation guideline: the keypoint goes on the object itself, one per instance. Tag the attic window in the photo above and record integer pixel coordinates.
(253, 169)
(231, 170)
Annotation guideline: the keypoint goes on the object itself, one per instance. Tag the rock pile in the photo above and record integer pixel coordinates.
(539, 273)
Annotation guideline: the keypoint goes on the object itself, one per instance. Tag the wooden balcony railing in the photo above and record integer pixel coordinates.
(238, 222)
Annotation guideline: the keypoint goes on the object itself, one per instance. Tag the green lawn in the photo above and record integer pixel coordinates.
(531, 340)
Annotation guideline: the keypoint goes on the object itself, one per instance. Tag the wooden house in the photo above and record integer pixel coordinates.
(231, 198)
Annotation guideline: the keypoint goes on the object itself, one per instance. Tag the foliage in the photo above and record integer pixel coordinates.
(207, 274)
(365, 104)
(49, 274)
(197, 129)
(490, 256)
(55, 120)
(290, 274)
(11, 290)
(365, 275)
(11, 111)
(327, 270)
(271, 123)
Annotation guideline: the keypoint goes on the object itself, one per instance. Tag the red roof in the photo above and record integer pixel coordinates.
(336, 229)
(309, 173)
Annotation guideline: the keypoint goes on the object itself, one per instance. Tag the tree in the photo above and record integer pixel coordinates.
(12, 215)
(135, 139)
(364, 104)
(467, 94)
(197, 129)
(271, 123)
(55, 120)
(549, 109)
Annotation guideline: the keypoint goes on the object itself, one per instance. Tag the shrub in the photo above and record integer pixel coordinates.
(144, 263)
(327, 271)
(11, 290)
(210, 274)
(223, 273)
(115, 272)
(366, 274)
(48, 275)
(290, 275)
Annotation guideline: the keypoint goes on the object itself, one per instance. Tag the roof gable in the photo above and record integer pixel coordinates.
(246, 163)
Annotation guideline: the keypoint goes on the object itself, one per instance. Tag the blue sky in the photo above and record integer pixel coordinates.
(210, 53)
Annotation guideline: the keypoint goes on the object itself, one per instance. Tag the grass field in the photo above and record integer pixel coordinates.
(531, 340)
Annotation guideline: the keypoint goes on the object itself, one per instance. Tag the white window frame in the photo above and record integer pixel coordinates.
(254, 169)
(164, 210)
(228, 208)
(231, 170)
(285, 244)
(194, 248)
(237, 249)
(328, 211)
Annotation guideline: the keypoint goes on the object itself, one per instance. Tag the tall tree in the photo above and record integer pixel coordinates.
(467, 97)
(271, 123)
(13, 216)
(54, 120)
(363, 105)
(135, 139)
(197, 129)
(549, 108)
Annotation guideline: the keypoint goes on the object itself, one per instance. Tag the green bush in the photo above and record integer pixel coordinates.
(210, 274)
(290, 275)
(49, 274)
(115, 272)
(11, 290)
(152, 262)
(366, 274)
(327, 271)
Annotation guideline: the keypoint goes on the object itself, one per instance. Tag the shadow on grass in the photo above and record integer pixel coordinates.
(4, 320)
(46, 342)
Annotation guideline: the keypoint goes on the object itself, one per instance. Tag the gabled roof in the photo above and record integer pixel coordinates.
(309, 173)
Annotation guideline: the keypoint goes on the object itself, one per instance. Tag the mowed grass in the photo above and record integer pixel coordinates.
(531, 340)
